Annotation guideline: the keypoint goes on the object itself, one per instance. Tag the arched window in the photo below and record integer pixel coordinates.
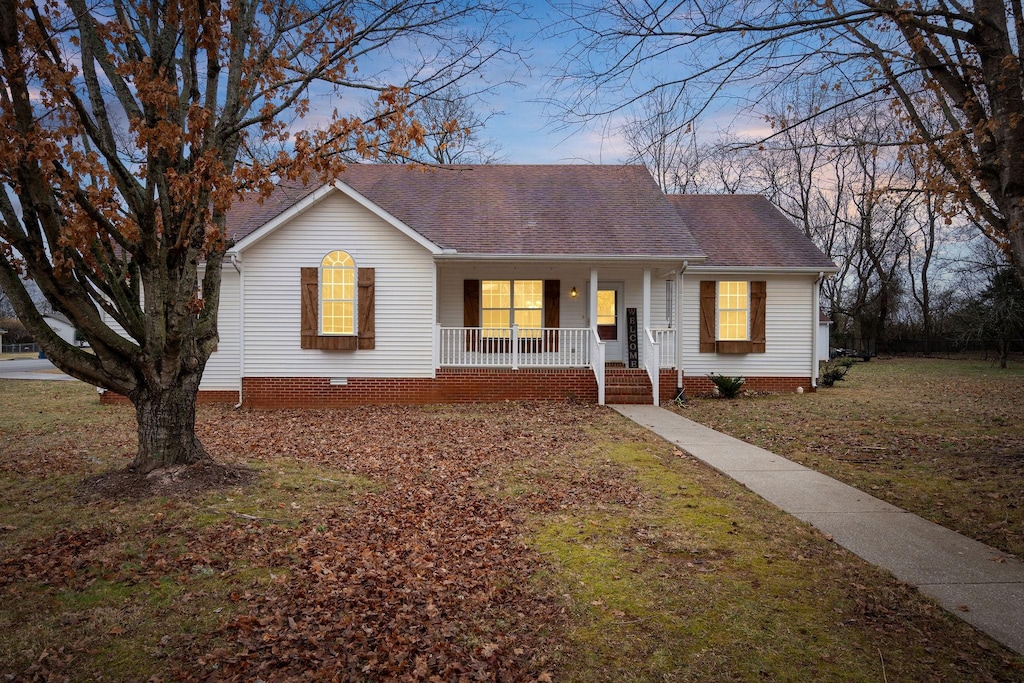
(337, 294)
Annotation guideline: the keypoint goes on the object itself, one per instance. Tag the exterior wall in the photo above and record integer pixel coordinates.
(404, 296)
(221, 373)
(452, 385)
(788, 331)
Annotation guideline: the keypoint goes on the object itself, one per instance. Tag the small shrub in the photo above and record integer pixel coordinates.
(728, 387)
(834, 371)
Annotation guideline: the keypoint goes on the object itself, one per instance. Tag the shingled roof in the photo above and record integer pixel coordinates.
(518, 210)
(575, 211)
(747, 231)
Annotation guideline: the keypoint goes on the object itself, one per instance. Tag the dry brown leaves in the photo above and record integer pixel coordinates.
(427, 578)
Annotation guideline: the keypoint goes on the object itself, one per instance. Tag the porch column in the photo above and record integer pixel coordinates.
(647, 299)
(592, 304)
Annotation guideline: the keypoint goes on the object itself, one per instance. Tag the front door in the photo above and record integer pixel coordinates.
(610, 319)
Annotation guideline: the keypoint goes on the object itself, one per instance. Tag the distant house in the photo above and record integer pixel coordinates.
(2, 333)
(59, 323)
(482, 283)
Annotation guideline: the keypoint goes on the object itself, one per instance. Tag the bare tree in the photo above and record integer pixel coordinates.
(453, 130)
(951, 72)
(130, 128)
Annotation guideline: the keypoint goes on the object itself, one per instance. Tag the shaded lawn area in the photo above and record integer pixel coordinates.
(941, 438)
(508, 542)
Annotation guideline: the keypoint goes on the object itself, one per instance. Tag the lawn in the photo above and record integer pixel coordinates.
(508, 542)
(941, 438)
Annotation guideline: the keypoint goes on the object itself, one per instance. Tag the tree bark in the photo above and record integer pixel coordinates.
(166, 418)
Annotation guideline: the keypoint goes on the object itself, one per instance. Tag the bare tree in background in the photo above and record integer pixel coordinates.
(951, 72)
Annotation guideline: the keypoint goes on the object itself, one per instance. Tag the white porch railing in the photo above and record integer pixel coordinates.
(665, 338)
(513, 347)
(652, 363)
(597, 362)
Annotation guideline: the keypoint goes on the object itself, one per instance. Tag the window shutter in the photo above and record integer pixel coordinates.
(309, 328)
(366, 329)
(707, 316)
(758, 294)
(552, 316)
(471, 311)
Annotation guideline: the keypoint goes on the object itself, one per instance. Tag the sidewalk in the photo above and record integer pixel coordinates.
(979, 584)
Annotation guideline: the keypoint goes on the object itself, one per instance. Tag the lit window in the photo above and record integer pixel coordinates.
(606, 314)
(733, 310)
(337, 294)
(507, 302)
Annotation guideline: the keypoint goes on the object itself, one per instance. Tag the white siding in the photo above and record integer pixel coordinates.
(221, 371)
(404, 296)
(788, 324)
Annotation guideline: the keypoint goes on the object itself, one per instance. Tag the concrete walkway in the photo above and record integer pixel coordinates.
(979, 584)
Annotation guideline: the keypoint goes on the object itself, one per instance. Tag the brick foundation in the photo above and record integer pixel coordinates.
(454, 385)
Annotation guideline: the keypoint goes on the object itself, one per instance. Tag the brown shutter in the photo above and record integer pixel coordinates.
(471, 311)
(367, 329)
(758, 292)
(310, 326)
(707, 316)
(552, 296)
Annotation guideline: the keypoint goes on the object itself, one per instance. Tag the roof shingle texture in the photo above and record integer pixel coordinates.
(746, 231)
(512, 209)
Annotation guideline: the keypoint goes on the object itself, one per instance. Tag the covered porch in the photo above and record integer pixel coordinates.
(618, 316)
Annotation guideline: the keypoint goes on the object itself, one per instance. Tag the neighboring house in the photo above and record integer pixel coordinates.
(824, 334)
(484, 283)
(59, 323)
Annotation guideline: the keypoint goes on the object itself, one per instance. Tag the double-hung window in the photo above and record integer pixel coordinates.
(504, 303)
(733, 311)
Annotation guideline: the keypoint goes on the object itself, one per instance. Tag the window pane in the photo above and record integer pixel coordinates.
(495, 293)
(529, 293)
(732, 325)
(496, 318)
(528, 318)
(337, 317)
(606, 307)
(337, 258)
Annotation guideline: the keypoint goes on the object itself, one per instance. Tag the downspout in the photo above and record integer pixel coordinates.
(680, 393)
(815, 324)
(241, 325)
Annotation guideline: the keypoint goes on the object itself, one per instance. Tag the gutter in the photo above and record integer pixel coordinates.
(680, 393)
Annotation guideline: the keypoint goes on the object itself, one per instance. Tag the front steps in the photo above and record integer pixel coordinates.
(627, 385)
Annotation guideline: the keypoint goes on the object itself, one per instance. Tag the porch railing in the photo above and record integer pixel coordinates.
(513, 347)
(652, 362)
(665, 338)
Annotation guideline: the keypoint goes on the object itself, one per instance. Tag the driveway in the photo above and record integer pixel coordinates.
(31, 368)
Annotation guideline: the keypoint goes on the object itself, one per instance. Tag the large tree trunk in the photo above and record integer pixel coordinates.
(166, 417)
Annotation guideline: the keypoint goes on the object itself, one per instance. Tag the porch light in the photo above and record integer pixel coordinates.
(573, 293)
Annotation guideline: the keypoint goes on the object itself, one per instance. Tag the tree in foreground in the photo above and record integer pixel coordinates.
(951, 73)
(128, 128)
